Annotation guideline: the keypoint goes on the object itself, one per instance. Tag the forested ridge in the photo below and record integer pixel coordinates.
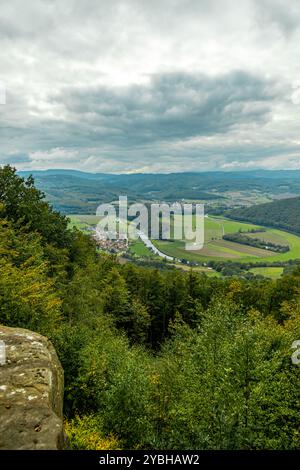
(152, 359)
(283, 214)
(75, 192)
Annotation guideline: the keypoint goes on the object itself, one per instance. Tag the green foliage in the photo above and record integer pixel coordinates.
(86, 434)
(152, 359)
(230, 385)
(283, 214)
(25, 205)
(27, 296)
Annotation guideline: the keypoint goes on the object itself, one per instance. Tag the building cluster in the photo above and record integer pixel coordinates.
(106, 241)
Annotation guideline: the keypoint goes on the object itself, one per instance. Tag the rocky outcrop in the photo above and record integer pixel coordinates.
(31, 392)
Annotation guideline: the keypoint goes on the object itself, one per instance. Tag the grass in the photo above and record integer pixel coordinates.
(138, 248)
(214, 247)
(87, 219)
(84, 221)
(76, 222)
(268, 237)
(269, 271)
(242, 249)
(217, 249)
(197, 269)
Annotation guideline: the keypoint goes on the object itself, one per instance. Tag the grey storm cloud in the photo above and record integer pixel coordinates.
(134, 85)
(171, 106)
(275, 12)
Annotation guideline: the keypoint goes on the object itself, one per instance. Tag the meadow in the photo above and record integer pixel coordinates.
(272, 272)
(215, 248)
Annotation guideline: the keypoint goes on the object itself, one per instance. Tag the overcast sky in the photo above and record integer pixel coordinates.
(150, 85)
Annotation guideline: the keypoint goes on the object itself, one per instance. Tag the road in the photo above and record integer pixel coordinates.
(152, 247)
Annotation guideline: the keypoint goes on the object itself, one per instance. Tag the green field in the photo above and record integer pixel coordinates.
(77, 222)
(197, 269)
(269, 271)
(138, 248)
(217, 249)
(86, 221)
(83, 221)
(85, 218)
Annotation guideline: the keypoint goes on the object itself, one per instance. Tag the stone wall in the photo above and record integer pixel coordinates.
(31, 392)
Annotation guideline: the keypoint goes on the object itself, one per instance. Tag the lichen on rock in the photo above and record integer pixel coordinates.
(31, 392)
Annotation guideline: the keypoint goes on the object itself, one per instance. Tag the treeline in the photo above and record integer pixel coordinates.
(153, 359)
(242, 238)
(236, 268)
(283, 214)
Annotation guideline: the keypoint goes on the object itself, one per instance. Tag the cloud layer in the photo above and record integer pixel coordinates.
(160, 86)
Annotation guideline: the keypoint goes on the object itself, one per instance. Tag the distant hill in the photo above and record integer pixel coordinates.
(61, 172)
(283, 214)
(72, 191)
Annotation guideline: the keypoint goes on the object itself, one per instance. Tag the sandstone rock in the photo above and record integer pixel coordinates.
(31, 392)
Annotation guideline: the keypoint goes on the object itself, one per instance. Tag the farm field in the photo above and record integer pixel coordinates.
(269, 271)
(83, 221)
(138, 248)
(87, 221)
(197, 269)
(215, 248)
(85, 218)
(269, 237)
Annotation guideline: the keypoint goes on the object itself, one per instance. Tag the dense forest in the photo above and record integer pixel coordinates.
(283, 214)
(153, 359)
